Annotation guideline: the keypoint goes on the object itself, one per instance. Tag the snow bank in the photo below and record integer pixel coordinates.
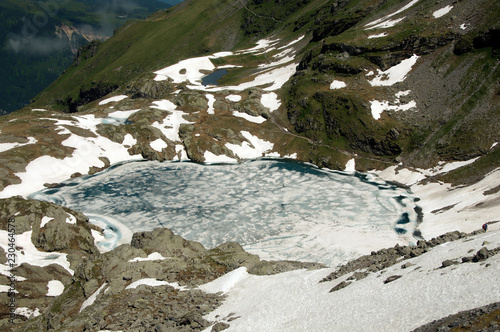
(27, 312)
(350, 166)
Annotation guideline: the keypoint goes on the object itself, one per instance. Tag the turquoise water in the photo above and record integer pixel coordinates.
(278, 209)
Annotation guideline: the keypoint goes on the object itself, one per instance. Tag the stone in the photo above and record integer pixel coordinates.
(391, 279)
(339, 286)
(481, 255)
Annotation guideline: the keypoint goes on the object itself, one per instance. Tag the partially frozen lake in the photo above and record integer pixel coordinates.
(274, 208)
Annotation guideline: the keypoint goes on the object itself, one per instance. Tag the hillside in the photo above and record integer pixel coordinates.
(402, 93)
(40, 39)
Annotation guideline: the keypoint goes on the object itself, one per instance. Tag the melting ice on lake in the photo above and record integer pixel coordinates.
(273, 208)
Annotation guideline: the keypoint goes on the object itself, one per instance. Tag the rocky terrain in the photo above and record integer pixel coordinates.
(148, 284)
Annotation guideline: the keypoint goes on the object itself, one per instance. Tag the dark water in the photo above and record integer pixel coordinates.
(213, 78)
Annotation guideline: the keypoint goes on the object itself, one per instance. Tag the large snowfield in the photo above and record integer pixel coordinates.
(296, 301)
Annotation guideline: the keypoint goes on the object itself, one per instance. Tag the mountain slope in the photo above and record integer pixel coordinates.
(40, 39)
(406, 90)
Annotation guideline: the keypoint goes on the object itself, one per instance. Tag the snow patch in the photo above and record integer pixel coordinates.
(377, 23)
(443, 11)
(155, 256)
(28, 253)
(255, 149)
(337, 85)
(91, 299)
(186, 70)
(380, 35)
(226, 282)
(248, 117)
(71, 219)
(211, 158)
(234, 98)
(377, 107)
(112, 99)
(350, 166)
(154, 283)
(7, 146)
(158, 145)
(55, 288)
(27, 312)
(271, 101)
(211, 101)
(394, 74)
(45, 221)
